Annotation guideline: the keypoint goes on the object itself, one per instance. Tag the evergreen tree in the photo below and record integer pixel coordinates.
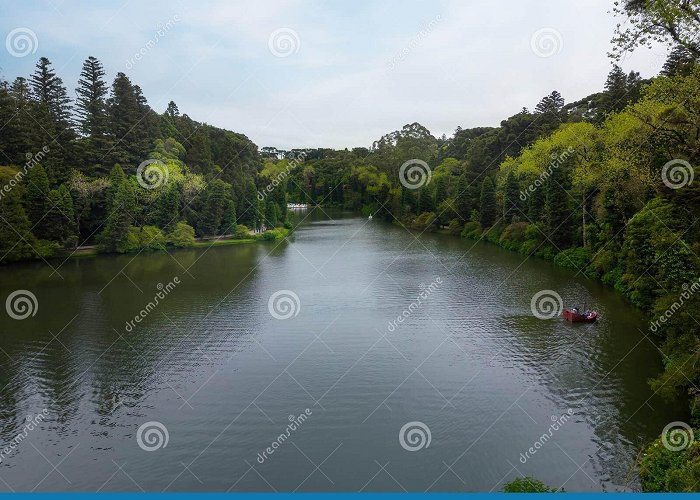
(488, 210)
(213, 210)
(556, 209)
(36, 200)
(535, 207)
(48, 89)
(463, 202)
(60, 220)
(680, 62)
(511, 198)
(120, 217)
(91, 106)
(228, 220)
(425, 200)
(16, 239)
(130, 130)
(167, 208)
(271, 214)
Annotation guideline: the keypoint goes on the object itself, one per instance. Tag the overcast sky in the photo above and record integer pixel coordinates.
(328, 73)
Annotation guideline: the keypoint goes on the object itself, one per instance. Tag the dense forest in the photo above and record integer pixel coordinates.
(107, 169)
(602, 185)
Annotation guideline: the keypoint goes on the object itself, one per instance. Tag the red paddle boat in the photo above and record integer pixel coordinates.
(576, 316)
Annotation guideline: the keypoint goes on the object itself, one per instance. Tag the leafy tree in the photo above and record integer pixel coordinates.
(666, 21)
(181, 235)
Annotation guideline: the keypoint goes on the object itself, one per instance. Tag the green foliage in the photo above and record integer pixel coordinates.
(487, 203)
(665, 470)
(145, 238)
(576, 258)
(527, 485)
(181, 235)
(241, 232)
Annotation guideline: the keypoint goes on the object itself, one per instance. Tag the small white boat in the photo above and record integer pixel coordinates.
(370, 217)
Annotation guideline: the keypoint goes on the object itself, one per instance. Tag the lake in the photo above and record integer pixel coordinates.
(355, 356)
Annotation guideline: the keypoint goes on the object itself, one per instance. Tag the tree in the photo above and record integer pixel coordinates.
(228, 220)
(212, 211)
(425, 200)
(488, 210)
(661, 21)
(91, 112)
(556, 208)
(36, 200)
(680, 62)
(16, 240)
(182, 235)
(511, 198)
(60, 220)
(48, 89)
(167, 207)
(91, 106)
(121, 214)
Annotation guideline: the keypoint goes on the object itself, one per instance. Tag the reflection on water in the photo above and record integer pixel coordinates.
(223, 376)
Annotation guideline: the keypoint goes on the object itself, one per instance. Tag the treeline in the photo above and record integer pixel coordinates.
(601, 186)
(72, 176)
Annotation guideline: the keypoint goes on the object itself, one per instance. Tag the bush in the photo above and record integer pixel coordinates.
(182, 235)
(241, 232)
(472, 230)
(454, 227)
(664, 470)
(424, 221)
(142, 238)
(513, 235)
(576, 258)
(527, 485)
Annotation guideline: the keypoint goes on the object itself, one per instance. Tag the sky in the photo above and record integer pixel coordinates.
(328, 73)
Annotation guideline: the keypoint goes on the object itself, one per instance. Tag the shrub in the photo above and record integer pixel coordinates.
(241, 232)
(424, 221)
(472, 230)
(513, 235)
(142, 238)
(454, 227)
(576, 258)
(527, 485)
(182, 235)
(664, 470)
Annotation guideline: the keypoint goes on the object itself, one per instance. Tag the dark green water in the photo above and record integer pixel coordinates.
(223, 376)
